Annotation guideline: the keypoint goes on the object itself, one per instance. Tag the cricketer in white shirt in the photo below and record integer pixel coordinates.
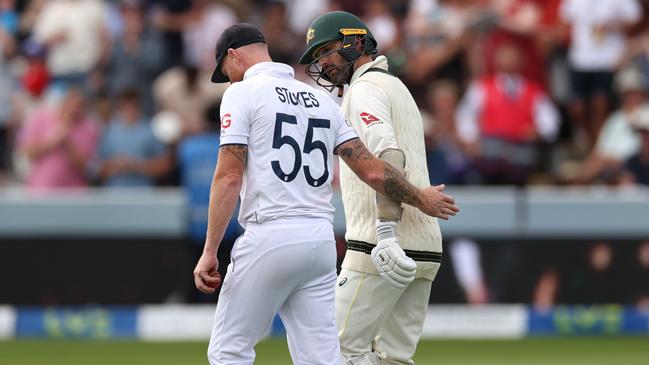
(291, 131)
(286, 260)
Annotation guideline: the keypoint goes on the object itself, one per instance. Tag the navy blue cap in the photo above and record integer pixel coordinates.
(237, 35)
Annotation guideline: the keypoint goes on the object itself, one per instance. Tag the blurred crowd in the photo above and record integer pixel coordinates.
(117, 93)
(516, 92)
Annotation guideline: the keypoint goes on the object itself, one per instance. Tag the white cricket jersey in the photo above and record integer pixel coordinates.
(291, 130)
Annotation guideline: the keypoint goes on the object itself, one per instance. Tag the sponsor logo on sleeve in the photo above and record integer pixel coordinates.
(226, 121)
(369, 119)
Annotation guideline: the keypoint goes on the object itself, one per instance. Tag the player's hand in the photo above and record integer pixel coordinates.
(206, 276)
(392, 263)
(437, 204)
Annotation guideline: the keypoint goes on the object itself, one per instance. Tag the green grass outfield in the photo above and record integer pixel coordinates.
(541, 351)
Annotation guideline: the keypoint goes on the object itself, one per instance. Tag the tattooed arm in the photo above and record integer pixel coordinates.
(387, 180)
(226, 185)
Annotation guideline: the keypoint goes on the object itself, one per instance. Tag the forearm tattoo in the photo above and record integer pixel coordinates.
(356, 151)
(397, 187)
(394, 183)
(239, 151)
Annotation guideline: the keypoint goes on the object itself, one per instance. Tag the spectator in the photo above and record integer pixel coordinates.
(448, 163)
(136, 57)
(519, 23)
(203, 25)
(58, 141)
(129, 155)
(616, 141)
(282, 42)
(28, 17)
(301, 13)
(76, 38)
(434, 41)
(35, 77)
(598, 43)
(505, 115)
(597, 280)
(590, 275)
(381, 20)
(637, 167)
(182, 91)
(467, 266)
(9, 19)
(8, 28)
(170, 16)
(638, 277)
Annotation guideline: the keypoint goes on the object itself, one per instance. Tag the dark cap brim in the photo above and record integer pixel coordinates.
(219, 77)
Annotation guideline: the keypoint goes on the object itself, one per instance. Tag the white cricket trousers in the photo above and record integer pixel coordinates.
(287, 267)
(372, 315)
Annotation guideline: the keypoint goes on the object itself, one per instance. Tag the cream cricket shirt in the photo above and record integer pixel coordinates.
(291, 130)
(384, 115)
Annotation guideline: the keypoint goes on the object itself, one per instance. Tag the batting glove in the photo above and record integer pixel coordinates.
(392, 263)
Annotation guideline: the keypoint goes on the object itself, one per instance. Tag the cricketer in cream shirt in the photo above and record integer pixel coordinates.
(384, 115)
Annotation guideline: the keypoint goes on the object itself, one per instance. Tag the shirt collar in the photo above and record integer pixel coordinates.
(270, 68)
(380, 62)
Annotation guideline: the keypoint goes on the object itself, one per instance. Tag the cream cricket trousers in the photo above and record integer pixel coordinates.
(286, 267)
(374, 316)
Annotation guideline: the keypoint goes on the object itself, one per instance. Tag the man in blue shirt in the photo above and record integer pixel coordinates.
(129, 154)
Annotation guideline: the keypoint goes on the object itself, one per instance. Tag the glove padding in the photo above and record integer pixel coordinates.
(392, 263)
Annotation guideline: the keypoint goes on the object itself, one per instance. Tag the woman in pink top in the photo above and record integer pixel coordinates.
(59, 142)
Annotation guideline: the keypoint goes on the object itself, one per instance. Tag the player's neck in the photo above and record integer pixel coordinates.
(361, 61)
(258, 58)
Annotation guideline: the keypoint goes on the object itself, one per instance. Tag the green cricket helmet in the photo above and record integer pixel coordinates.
(357, 40)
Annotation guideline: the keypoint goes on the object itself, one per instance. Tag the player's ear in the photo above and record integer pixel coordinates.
(235, 55)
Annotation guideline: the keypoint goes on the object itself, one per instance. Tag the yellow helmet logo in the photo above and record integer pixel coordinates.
(310, 34)
(352, 31)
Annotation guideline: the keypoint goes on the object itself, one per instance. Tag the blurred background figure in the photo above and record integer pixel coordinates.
(617, 141)
(505, 116)
(449, 162)
(8, 30)
(129, 155)
(282, 41)
(170, 17)
(76, 37)
(639, 276)
(467, 267)
(637, 166)
(380, 19)
(203, 23)
(597, 46)
(59, 141)
(136, 57)
(434, 37)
